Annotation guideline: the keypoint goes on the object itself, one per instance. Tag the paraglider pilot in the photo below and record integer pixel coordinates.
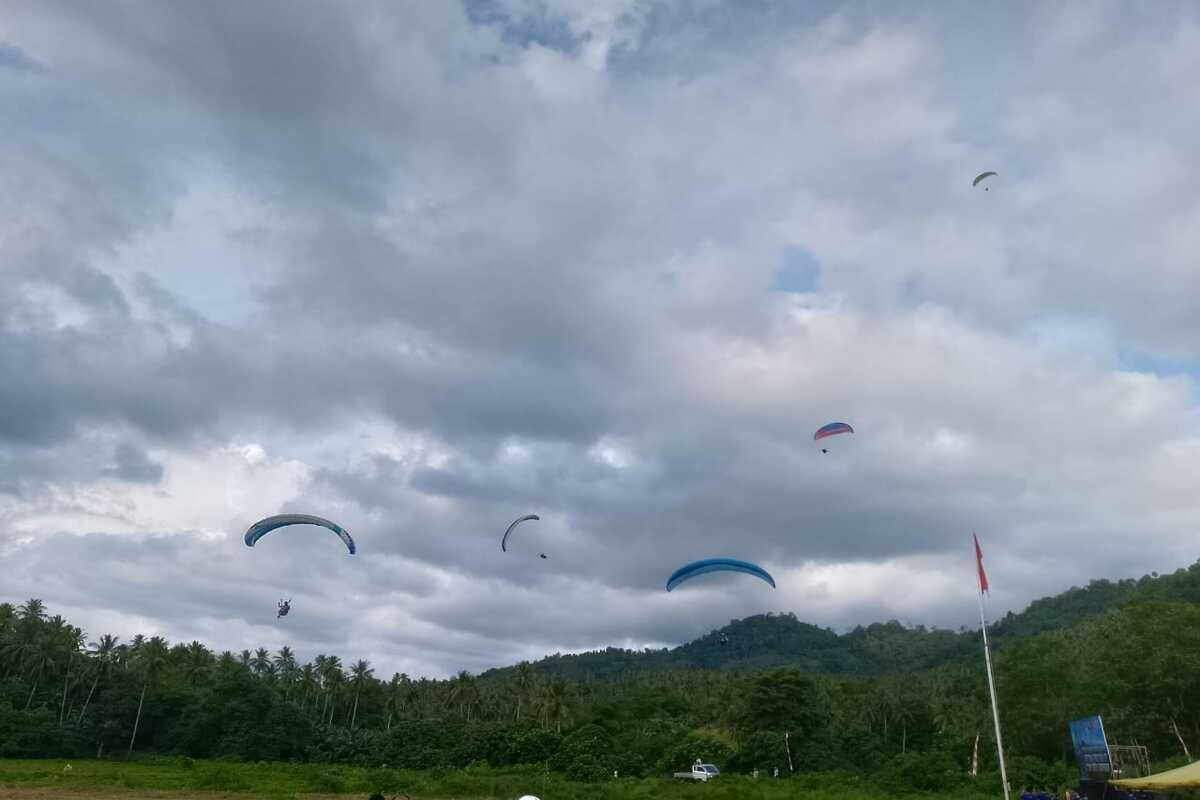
(284, 607)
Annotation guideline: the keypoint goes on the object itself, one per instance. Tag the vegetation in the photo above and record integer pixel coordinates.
(768, 641)
(100, 778)
(1123, 650)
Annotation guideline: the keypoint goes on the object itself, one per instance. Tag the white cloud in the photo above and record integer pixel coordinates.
(436, 274)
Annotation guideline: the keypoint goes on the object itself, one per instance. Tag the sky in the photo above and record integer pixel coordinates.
(423, 268)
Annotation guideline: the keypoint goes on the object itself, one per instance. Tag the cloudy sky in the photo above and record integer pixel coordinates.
(424, 267)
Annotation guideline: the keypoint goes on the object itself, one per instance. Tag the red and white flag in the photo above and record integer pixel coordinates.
(983, 584)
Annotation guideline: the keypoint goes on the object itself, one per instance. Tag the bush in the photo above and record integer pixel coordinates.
(922, 772)
(586, 754)
(1033, 773)
(681, 753)
(327, 781)
(221, 777)
(761, 750)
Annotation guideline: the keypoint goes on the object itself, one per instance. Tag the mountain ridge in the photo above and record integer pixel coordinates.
(768, 641)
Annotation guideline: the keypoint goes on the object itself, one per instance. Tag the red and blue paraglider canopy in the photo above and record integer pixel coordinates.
(832, 429)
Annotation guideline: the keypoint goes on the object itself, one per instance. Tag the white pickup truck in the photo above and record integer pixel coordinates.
(700, 772)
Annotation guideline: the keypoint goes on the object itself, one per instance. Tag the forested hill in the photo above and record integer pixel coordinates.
(770, 640)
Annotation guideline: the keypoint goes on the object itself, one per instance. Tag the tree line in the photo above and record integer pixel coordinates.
(63, 693)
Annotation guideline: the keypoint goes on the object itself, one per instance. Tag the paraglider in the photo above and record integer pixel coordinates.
(982, 176)
(689, 571)
(284, 607)
(541, 555)
(832, 429)
(265, 526)
(724, 640)
(516, 522)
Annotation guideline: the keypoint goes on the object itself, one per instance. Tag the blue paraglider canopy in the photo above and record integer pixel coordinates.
(265, 526)
(689, 571)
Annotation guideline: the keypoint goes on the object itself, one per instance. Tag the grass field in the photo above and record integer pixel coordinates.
(176, 779)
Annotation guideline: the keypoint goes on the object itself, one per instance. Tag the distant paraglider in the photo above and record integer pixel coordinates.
(284, 607)
(982, 177)
(832, 429)
(696, 568)
(508, 532)
(265, 526)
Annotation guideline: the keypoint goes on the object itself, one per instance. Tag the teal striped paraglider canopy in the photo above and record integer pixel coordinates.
(265, 526)
(703, 567)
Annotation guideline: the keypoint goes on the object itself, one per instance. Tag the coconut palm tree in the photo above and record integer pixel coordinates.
(394, 698)
(41, 652)
(102, 653)
(151, 656)
(308, 682)
(285, 662)
(32, 610)
(197, 663)
(71, 640)
(556, 705)
(464, 693)
(261, 661)
(360, 672)
(335, 679)
(329, 668)
(523, 682)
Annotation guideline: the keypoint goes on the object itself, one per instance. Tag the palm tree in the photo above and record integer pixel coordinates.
(29, 618)
(320, 666)
(8, 627)
(150, 657)
(329, 669)
(198, 662)
(335, 679)
(523, 679)
(415, 694)
(32, 610)
(285, 662)
(43, 652)
(361, 671)
(103, 652)
(556, 704)
(464, 693)
(261, 661)
(393, 698)
(308, 682)
(71, 639)
(8, 616)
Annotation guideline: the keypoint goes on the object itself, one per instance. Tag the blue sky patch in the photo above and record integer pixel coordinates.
(15, 58)
(542, 29)
(797, 273)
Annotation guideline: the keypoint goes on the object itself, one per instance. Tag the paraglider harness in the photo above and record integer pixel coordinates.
(284, 607)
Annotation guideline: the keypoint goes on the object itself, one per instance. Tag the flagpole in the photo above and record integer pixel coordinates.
(987, 655)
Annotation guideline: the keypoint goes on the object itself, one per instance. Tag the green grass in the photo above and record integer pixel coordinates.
(292, 781)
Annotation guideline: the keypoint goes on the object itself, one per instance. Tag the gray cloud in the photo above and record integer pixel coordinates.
(16, 59)
(425, 269)
(134, 465)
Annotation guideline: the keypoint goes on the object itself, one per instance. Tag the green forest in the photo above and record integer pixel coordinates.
(903, 704)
